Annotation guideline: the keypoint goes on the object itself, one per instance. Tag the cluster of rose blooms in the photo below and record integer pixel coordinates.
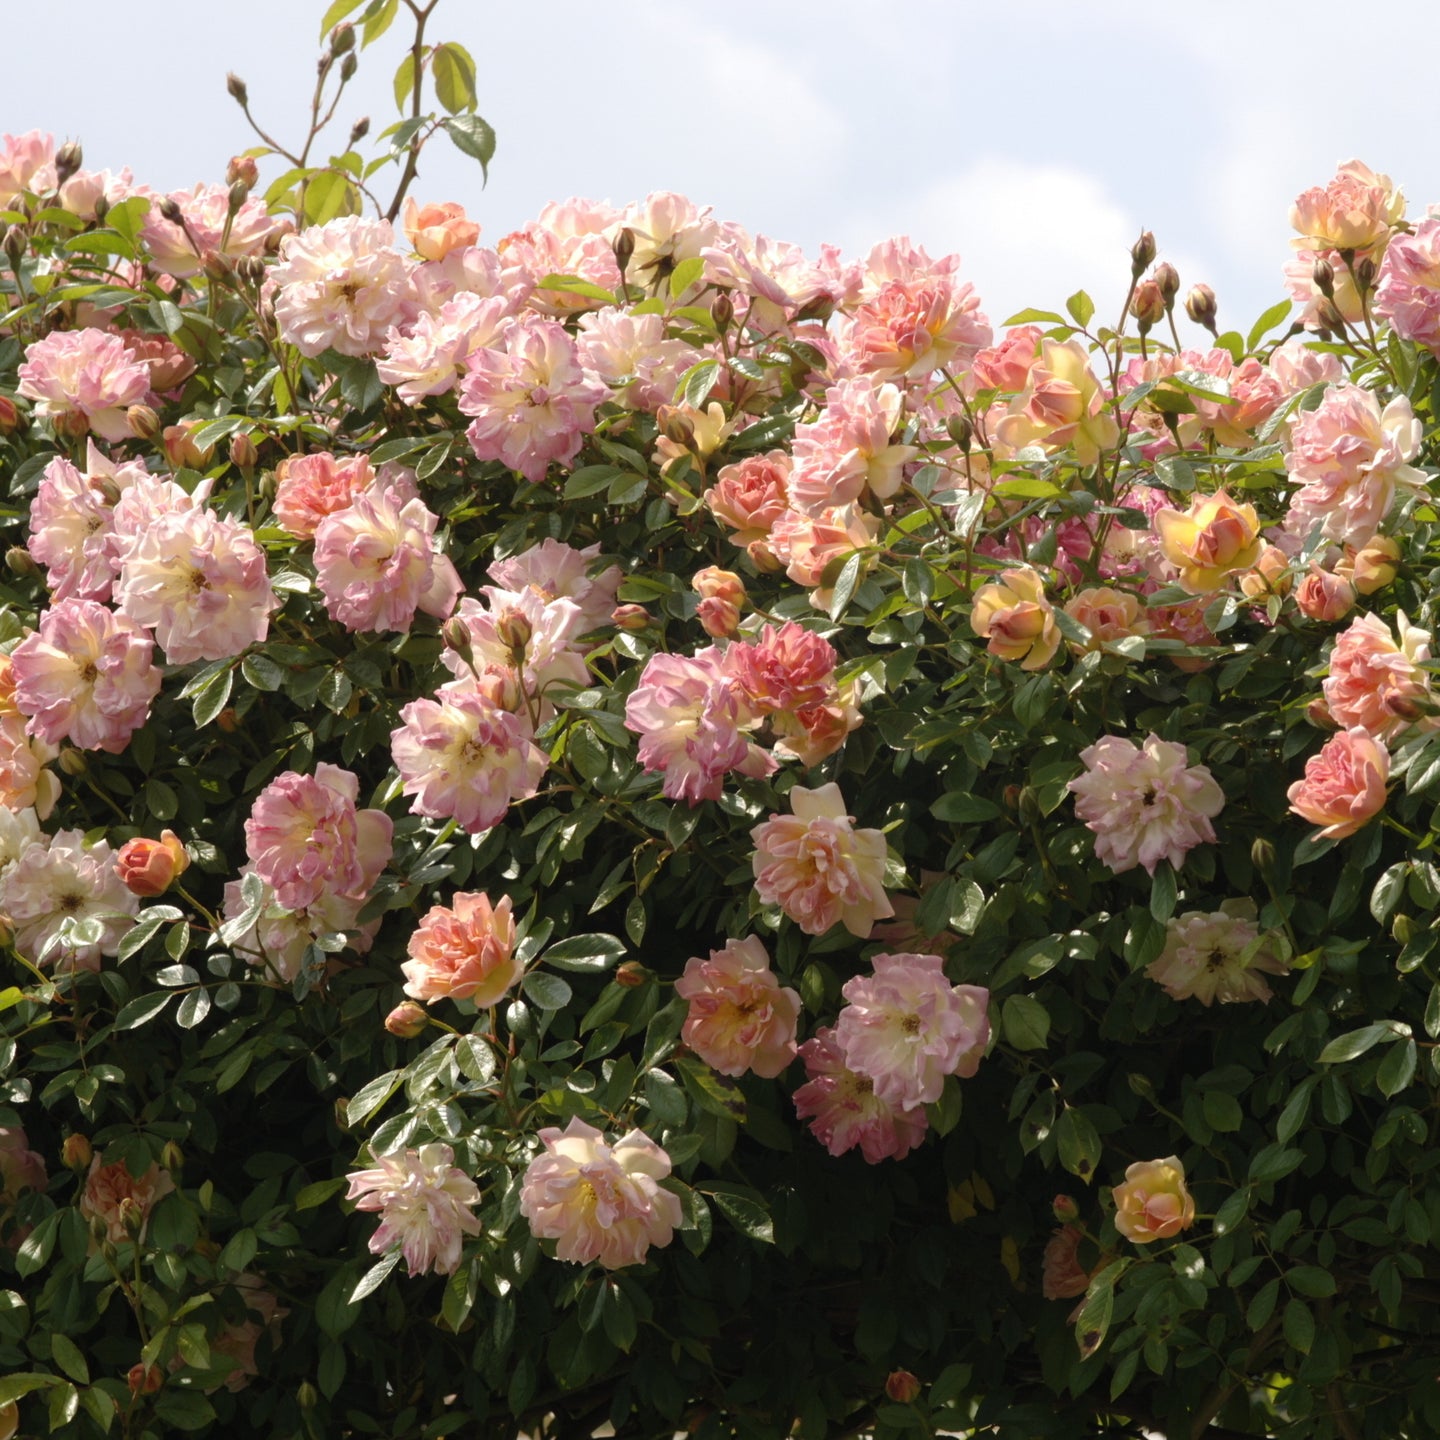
(904, 378)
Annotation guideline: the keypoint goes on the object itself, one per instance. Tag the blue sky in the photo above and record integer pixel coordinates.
(1035, 138)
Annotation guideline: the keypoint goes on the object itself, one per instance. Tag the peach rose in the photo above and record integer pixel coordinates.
(436, 230)
(1211, 540)
(1344, 785)
(150, 867)
(1324, 596)
(1377, 682)
(465, 951)
(1016, 619)
(1153, 1203)
(1107, 614)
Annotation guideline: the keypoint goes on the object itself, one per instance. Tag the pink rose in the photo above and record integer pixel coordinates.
(844, 1111)
(1376, 683)
(425, 1203)
(112, 1194)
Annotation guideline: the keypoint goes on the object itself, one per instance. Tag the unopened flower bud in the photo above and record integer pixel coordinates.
(132, 1216)
(99, 1230)
(1168, 279)
(144, 1379)
(342, 1113)
(406, 1020)
(456, 635)
(359, 130)
(1324, 277)
(144, 423)
(675, 427)
(514, 630)
(171, 211)
(1330, 317)
(77, 1152)
(1200, 306)
(630, 617)
(961, 431)
(251, 269)
(72, 762)
(631, 974)
(1140, 1085)
(9, 415)
(307, 1395)
(1147, 304)
(1270, 575)
(342, 38)
(68, 159)
(348, 67)
(237, 88)
(1374, 564)
(1364, 274)
(172, 1157)
(624, 247)
(1142, 252)
(238, 193)
(150, 867)
(1262, 855)
(902, 1387)
(243, 454)
(19, 561)
(243, 170)
(1402, 929)
(1065, 1210)
(181, 451)
(1322, 595)
(15, 243)
(102, 209)
(722, 311)
(1317, 712)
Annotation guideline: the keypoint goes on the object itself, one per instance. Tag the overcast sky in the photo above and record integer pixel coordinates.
(1034, 137)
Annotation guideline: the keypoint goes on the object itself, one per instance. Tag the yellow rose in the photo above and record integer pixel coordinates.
(1016, 618)
(1211, 540)
(1153, 1203)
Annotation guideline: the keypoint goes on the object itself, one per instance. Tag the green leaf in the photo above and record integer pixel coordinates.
(141, 1010)
(472, 137)
(1232, 1212)
(549, 992)
(744, 1209)
(1081, 308)
(1397, 1069)
(1357, 1042)
(1093, 1321)
(1078, 1143)
(476, 1059)
(589, 479)
(1026, 1024)
(193, 1008)
(377, 19)
(1035, 317)
(66, 1354)
(404, 97)
(1277, 314)
(718, 1094)
(374, 1277)
(685, 274)
(1311, 1281)
(337, 11)
(963, 809)
(1262, 1306)
(318, 1192)
(453, 71)
(845, 584)
(369, 1098)
(585, 953)
(25, 1382)
(1299, 1325)
(697, 383)
(1222, 1111)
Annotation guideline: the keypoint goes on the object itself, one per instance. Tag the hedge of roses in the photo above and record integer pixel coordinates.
(633, 827)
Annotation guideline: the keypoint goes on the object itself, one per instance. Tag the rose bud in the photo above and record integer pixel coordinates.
(626, 617)
(631, 974)
(243, 454)
(77, 1152)
(902, 1387)
(1147, 305)
(9, 415)
(144, 1379)
(149, 867)
(1167, 277)
(236, 86)
(1065, 1209)
(1142, 253)
(406, 1020)
(722, 593)
(1374, 564)
(242, 168)
(144, 423)
(19, 561)
(1323, 596)
(1200, 306)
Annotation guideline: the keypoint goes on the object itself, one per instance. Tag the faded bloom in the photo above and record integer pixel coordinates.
(1144, 803)
(376, 564)
(199, 582)
(1344, 785)
(58, 882)
(818, 868)
(462, 755)
(596, 1201)
(740, 1019)
(111, 1192)
(1210, 541)
(1153, 1203)
(20, 1167)
(306, 838)
(341, 286)
(85, 676)
(1063, 1277)
(907, 1028)
(844, 1111)
(236, 1341)
(211, 229)
(1217, 956)
(84, 379)
(1016, 619)
(1375, 682)
(425, 1204)
(463, 951)
(150, 867)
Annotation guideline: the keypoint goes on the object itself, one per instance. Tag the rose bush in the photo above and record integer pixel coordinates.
(680, 788)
